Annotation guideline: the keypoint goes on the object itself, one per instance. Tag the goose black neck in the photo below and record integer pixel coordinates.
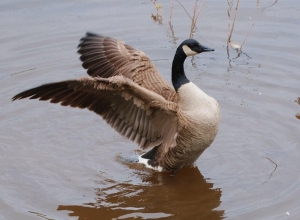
(178, 75)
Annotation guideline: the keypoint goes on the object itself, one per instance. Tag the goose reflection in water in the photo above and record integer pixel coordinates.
(187, 195)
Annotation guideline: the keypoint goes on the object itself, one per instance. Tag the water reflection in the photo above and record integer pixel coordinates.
(172, 36)
(269, 6)
(187, 195)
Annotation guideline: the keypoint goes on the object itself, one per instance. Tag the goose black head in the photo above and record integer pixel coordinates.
(192, 47)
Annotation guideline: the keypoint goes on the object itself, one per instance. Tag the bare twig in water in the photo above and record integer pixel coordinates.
(232, 26)
(229, 3)
(194, 21)
(171, 10)
(170, 24)
(158, 17)
(269, 6)
(274, 168)
(229, 23)
(173, 34)
(194, 18)
(229, 13)
(255, 15)
(200, 10)
(184, 9)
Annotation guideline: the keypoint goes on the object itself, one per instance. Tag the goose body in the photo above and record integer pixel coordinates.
(125, 88)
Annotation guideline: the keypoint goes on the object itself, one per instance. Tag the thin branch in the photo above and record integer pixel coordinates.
(229, 23)
(273, 170)
(158, 17)
(195, 9)
(170, 24)
(229, 13)
(234, 17)
(184, 9)
(195, 17)
(173, 34)
(257, 4)
(230, 2)
(171, 10)
(200, 10)
(195, 21)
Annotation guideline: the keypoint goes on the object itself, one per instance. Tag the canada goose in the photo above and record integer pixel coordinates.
(125, 88)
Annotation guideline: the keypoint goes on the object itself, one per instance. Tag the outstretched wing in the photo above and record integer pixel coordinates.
(106, 57)
(135, 112)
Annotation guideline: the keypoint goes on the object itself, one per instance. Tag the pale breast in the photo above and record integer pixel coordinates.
(200, 113)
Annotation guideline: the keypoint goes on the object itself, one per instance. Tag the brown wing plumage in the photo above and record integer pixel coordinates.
(135, 112)
(106, 57)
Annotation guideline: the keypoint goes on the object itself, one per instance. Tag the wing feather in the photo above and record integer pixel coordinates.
(106, 57)
(135, 112)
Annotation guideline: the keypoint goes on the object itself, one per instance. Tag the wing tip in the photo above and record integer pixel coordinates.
(88, 36)
(20, 96)
(89, 33)
(16, 97)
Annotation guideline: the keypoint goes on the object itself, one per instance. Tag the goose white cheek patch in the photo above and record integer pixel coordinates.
(188, 51)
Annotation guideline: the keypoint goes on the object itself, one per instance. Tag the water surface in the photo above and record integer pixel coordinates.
(64, 163)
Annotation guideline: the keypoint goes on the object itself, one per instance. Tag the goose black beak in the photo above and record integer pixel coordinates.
(206, 49)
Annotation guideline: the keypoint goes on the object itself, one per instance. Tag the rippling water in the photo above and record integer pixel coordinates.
(59, 163)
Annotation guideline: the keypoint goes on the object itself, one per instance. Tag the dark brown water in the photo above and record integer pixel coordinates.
(64, 163)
